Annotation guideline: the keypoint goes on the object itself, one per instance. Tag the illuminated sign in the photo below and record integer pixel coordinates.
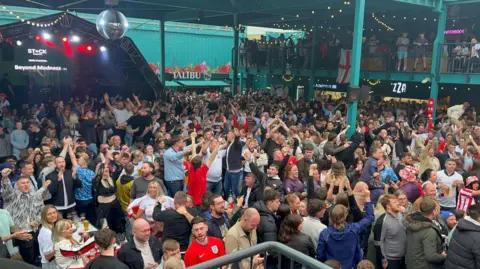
(399, 87)
(326, 86)
(39, 68)
(192, 75)
(37, 52)
(455, 32)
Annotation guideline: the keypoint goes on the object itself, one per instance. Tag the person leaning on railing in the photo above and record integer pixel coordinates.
(244, 235)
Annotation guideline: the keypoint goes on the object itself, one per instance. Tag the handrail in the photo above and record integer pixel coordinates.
(237, 256)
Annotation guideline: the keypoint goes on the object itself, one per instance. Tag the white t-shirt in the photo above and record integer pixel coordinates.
(45, 243)
(147, 205)
(122, 115)
(448, 199)
(214, 174)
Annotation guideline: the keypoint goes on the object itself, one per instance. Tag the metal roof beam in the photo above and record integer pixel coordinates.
(215, 5)
(192, 14)
(425, 3)
(459, 2)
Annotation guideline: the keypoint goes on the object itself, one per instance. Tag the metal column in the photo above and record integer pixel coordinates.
(311, 89)
(437, 55)
(235, 54)
(162, 51)
(356, 62)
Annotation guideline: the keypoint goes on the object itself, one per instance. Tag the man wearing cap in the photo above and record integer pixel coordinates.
(450, 219)
(5, 145)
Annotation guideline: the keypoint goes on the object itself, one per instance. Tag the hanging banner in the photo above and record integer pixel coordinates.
(430, 108)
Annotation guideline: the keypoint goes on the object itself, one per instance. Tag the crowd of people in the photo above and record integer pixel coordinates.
(131, 183)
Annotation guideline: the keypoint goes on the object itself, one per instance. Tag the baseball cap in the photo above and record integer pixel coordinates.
(446, 214)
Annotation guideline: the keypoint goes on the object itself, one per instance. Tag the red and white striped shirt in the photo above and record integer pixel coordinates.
(465, 199)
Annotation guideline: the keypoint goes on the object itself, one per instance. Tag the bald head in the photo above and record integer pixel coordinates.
(141, 230)
(250, 220)
(429, 190)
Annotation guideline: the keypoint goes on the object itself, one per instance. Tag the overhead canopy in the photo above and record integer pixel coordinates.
(268, 13)
(122, 68)
(203, 83)
(171, 84)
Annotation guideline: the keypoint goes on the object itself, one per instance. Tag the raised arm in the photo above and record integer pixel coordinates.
(107, 102)
(212, 156)
(8, 191)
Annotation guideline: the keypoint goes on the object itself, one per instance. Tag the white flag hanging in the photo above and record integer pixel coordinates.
(344, 67)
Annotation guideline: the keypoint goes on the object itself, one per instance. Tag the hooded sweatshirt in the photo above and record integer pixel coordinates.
(124, 186)
(344, 245)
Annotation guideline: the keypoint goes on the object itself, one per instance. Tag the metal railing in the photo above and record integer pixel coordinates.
(381, 57)
(459, 58)
(267, 248)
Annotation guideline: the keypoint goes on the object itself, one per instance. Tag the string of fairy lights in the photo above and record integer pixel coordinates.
(381, 23)
(42, 24)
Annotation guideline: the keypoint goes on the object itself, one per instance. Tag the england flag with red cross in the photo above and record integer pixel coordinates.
(344, 67)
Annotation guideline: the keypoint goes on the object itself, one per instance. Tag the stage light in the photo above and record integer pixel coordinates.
(65, 39)
(103, 49)
(75, 38)
(46, 36)
(37, 37)
(89, 48)
(19, 43)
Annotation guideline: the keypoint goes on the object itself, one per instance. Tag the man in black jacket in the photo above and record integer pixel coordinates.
(463, 251)
(144, 251)
(269, 223)
(254, 187)
(234, 164)
(271, 178)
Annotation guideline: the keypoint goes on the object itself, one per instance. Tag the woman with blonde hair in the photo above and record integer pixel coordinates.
(148, 202)
(293, 203)
(428, 159)
(341, 240)
(336, 180)
(68, 253)
(49, 216)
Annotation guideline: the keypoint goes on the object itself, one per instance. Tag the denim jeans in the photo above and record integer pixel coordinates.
(174, 186)
(214, 187)
(232, 182)
(129, 139)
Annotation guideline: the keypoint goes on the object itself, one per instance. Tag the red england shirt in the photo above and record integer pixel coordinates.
(197, 183)
(197, 253)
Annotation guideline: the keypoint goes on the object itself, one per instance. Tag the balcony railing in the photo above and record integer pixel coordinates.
(459, 58)
(269, 248)
(380, 57)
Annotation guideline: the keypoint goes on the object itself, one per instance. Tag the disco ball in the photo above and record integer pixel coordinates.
(112, 24)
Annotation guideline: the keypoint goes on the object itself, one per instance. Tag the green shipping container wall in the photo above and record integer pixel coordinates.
(186, 44)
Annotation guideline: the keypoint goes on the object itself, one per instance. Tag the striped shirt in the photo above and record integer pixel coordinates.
(465, 199)
(24, 208)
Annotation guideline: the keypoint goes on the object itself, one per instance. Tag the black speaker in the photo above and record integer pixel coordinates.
(365, 93)
(353, 93)
(8, 52)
